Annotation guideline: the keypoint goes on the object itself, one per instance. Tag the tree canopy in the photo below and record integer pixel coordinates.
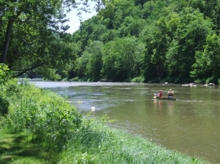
(128, 40)
(177, 38)
(33, 34)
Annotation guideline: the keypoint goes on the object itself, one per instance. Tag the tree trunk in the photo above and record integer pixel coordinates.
(7, 40)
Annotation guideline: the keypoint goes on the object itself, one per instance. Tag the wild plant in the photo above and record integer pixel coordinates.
(6, 86)
(48, 116)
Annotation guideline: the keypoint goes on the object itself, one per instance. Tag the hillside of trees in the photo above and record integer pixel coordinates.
(128, 40)
(151, 41)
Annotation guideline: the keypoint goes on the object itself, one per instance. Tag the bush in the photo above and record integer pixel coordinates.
(4, 73)
(139, 79)
(6, 86)
(46, 115)
(74, 79)
(211, 80)
(4, 104)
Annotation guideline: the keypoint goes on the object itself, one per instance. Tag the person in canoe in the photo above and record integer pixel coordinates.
(160, 94)
(170, 94)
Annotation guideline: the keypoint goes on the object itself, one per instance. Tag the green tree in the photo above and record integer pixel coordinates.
(206, 68)
(120, 59)
(32, 33)
(157, 41)
(81, 64)
(188, 38)
(108, 36)
(16, 13)
(94, 65)
(173, 33)
(140, 2)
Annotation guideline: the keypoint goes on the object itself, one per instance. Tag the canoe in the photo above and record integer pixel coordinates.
(164, 98)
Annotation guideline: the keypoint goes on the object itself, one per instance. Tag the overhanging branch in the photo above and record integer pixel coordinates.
(28, 69)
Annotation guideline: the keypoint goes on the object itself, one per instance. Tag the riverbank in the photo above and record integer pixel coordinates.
(41, 127)
(102, 145)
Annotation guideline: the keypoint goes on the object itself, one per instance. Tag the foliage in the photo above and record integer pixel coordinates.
(47, 116)
(174, 34)
(4, 83)
(4, 73)
(207, 61)
(49, 74)
(172, 40)
(94, 65)
(81, 64)
(33, 34)
(4, 104)
(190, 37)
(139, 79)
(121, 59)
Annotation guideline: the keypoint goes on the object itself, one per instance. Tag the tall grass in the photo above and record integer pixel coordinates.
(100, 144)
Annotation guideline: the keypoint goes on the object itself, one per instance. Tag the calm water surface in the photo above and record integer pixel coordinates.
(190, 125)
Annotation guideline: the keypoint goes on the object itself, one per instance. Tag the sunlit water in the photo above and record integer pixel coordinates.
(190, 125)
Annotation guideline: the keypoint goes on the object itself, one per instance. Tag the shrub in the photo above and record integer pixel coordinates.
(46, 115)
(211, 80)
(74, 79)
(139, 79)
(5, 86)
(4, 73)
(4, 104)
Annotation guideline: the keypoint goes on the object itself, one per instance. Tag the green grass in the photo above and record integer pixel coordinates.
(17, 149)
(110, 146)
(95, 144)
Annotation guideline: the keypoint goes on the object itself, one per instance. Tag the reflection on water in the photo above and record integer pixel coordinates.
(169, 105)
(189, 125)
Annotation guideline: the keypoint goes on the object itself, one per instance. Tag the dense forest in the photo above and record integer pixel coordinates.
(175, 41)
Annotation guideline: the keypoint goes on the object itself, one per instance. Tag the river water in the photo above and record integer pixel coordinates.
(190, 125)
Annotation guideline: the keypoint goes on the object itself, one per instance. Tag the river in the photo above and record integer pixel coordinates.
(190, 125)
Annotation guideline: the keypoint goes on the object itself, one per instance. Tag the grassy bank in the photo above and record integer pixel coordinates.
(18, 149)
(102, 144)
(41, 127)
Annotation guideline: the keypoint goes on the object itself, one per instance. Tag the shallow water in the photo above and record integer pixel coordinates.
(189, 125)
